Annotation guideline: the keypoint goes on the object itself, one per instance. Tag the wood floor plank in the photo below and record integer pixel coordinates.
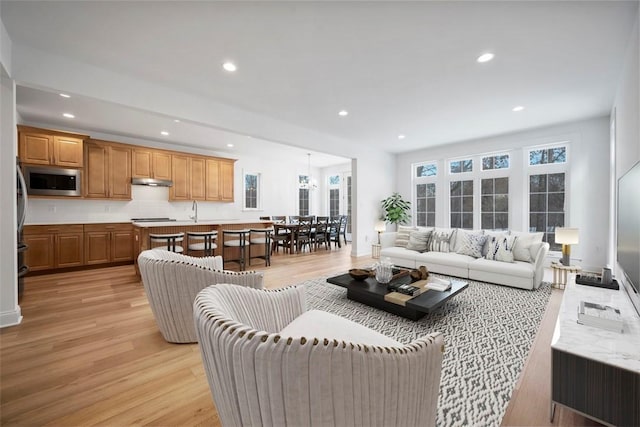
(89, 353)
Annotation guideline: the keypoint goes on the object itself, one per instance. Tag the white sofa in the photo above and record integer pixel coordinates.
(518, 274)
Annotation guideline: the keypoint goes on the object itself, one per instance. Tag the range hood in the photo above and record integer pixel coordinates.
(151, 182)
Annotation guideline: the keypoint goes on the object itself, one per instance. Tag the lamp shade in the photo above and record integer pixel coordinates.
(567, 236)
(380, 226)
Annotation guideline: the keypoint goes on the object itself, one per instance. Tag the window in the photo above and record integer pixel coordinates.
(494, 206)
(426, 205)
(303, 195)
(546, 205)
(545, 156)
(424, 179)
(495, 162)
(251, 191)
(461, 166)
(461, 198)
(334, 195)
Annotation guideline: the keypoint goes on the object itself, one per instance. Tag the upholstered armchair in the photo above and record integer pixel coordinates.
(271, 363)
(172, 281)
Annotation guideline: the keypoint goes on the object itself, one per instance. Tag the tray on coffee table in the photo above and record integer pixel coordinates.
(372, 293)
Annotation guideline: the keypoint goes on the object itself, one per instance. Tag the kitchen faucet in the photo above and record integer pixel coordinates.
(194, 207)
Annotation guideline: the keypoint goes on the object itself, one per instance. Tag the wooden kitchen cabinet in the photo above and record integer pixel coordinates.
(106, 243)
(188, 176)
(53, 246)
(107, 170)
(45, 147)
(219, 175)
(150, 163)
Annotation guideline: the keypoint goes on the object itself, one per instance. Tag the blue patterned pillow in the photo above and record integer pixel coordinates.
(471, 244)
(501, 248)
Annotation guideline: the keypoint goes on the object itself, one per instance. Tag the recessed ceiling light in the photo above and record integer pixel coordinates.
(343, 113)
(401, 136)
(230, 145)
(518, 108)
(165, 133)
(229, 66)
(64, 95)
(176, 120)
(69, 116)
(485, 57)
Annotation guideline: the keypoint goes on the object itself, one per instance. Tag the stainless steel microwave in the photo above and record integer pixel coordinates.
(50, 181)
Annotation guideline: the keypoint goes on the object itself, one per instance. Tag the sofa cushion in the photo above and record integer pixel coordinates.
(448, 259)
(470, 243)
(518, 268)
(418, 240)
(402, 236)
(522, 248)
(441, 239)
(320, 324)
(460, 238)
(501, 248)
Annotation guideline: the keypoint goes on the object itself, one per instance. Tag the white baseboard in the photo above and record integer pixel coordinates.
(11, 318)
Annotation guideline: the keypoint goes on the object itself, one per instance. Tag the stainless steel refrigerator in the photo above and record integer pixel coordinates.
(21, 194)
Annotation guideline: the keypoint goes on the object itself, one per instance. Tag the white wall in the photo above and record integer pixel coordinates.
(9, 308)
(588, 178)
(626, 108)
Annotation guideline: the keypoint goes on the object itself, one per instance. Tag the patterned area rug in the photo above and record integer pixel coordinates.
(488, 331)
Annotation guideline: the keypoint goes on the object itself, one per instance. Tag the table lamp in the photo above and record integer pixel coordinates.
(380, 227)
(568, 237)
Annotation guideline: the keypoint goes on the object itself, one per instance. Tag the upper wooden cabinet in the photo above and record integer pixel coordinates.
(150, 163)
(45, 147)
(219, 179)
(188, 175)
(107, 170)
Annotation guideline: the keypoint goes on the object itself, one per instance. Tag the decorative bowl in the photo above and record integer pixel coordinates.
(359, 273)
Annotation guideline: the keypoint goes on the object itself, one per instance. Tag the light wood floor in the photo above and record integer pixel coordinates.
(89, 352)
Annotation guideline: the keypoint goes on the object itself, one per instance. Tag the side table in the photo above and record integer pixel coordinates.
(375, 250)
(560, 273)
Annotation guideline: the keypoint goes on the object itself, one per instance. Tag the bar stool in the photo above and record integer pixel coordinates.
(260, 236)
(235, 239)
(168, 241)
(202, 241)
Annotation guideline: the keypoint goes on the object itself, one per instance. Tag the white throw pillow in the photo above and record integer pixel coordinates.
(522, 248)
(402, 236)
(471, 244)
(460, 238)
(441, 240)
(501, 248)
(490, 234)
(418, 240)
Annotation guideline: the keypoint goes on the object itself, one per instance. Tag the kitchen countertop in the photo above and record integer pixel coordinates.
(200, 222)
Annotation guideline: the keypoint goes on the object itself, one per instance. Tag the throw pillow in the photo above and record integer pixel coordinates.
(490, 234)
(522, 248)
(501, 248)
(471, 244)
(440, 241)
(460, 238)
(402, 236)
(418, 240)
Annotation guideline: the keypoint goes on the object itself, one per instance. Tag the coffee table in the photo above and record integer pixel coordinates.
(372, 293)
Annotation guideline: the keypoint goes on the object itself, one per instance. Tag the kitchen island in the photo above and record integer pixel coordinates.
(141, 231)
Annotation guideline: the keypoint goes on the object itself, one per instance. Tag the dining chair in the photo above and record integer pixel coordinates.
(303, 235)
(281, 238)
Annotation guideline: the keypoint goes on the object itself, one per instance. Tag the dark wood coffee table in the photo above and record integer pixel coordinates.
(372, 293)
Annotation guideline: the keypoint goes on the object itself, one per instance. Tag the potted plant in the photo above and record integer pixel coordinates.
(396, 209)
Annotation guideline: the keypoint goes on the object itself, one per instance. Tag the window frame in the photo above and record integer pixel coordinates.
(419, 180)
(258, 176)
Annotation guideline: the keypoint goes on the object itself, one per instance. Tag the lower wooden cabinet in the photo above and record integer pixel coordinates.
(73, 245)
(105, 243)
(54, 246)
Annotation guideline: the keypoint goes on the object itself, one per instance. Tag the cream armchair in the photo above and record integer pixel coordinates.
(271, 363)
(172, 281)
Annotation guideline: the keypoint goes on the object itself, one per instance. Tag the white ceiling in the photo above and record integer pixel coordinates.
(397, 67)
